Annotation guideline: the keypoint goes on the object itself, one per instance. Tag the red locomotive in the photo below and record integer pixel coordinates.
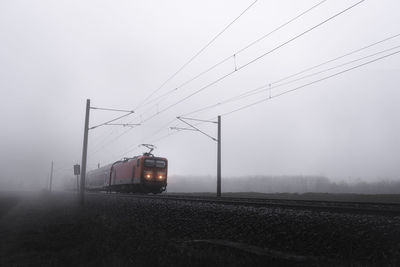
(145, 174)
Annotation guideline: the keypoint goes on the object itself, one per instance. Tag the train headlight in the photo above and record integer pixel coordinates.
(160, 176)
(148, 175)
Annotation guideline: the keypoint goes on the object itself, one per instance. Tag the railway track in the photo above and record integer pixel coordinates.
(368, 208)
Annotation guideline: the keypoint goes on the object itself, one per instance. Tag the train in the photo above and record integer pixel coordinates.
(140, 174)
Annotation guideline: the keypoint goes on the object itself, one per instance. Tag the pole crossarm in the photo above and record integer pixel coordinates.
(218, 140)
(112, 109)
(123, 124)
(192, 119)
(108, 122)
(182, 129)
(85, 141)
(195, 128)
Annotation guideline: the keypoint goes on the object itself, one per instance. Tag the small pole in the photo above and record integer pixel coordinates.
(77, 183)
(84, 153)
(219, 159)
(51, 175)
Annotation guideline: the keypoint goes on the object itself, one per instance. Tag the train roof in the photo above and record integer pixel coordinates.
(108, 166)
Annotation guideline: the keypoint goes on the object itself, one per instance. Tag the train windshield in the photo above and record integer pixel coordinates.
(160, 163)
(155, 163)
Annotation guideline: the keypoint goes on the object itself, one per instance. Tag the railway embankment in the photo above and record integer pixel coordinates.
(53, 230)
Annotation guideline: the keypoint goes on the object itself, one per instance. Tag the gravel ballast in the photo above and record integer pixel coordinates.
(111, 230)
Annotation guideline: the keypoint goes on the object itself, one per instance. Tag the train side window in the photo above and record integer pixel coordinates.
(138, 163)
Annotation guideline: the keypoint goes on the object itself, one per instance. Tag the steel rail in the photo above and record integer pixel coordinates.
(367, 208)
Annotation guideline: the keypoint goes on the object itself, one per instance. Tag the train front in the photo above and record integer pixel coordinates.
(154, 174)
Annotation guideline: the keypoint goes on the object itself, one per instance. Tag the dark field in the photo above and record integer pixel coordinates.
(379, 198)
(53, 230)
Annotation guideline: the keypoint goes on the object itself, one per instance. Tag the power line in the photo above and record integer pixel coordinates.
(190, 60)
(111, 141)
(263, 88)
(311, 83)
(198, 53)
(337, 58)
(335, 67)
(107, 122)
(254, 60)
(154, 133)
(129, 112)
(163, 128)
(245, 65)
(237, 52)
(190, 80)
(269, 87)
(250, 62)
(301, 34)
(223, 102)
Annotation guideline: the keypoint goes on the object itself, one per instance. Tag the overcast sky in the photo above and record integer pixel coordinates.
(56, 54)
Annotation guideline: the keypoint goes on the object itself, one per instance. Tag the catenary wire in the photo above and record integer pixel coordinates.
(192, 58)
(198, 53)
(298, 88)
(337, 58)
(310, 83)
(247, 64)
(252, 61)
(226, 59)
(265, 87)
(236, 53)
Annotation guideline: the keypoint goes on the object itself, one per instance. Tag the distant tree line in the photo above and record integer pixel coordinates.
(281, 184)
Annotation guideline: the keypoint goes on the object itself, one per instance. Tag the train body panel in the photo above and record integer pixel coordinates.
(139, 174)
(122, 173)
(98, 178)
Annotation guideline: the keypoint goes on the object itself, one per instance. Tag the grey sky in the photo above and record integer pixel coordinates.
(55, 54)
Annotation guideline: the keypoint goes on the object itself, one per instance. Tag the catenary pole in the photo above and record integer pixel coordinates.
(51, 175)
(219, 159)
(77, 183)
(218, 140)
(85, 143)
(84, 153)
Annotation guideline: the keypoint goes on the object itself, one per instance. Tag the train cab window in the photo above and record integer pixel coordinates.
(138, 163)
(160, 163)
(155, 163)
(149, 162)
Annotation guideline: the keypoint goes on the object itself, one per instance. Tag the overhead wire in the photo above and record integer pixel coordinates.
(154, 141)
(303, 33)
(237, 52)
(106, 144)
(310, 83)
(335, 67)
(337, 58)
(198, 53)
(157, 131)
(247, 64)
(191, 59)
(267, 86)
(253, 60)
(299, 87)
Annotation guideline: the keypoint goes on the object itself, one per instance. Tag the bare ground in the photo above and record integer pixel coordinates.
(53, 230)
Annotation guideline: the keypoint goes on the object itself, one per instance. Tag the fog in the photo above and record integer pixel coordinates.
(56, 54)
(279, 184)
